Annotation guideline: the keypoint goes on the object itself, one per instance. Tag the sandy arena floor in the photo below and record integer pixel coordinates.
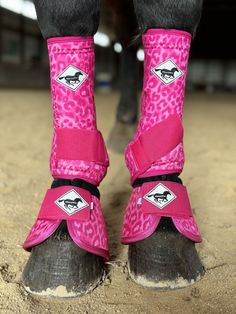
(210, 172)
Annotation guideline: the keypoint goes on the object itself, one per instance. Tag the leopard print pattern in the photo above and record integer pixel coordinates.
(137, 225)
(73, 108)
(90, 235)
(40, 231)
(188, 227)
(92, 232)
(159, 100)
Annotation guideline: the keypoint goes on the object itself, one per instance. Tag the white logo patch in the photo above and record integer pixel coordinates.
(71, 202)
(72, 77)
(160, 196)
(167, 72)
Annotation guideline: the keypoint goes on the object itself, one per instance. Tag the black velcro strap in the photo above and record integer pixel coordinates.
(79, 183)
(173, 177)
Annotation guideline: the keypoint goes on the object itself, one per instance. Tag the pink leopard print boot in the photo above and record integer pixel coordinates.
(68, 241)
(159, 225)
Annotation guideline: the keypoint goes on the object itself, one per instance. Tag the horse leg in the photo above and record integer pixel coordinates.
(161, 237)
(127, 110)
(125, 27)
(69, 244)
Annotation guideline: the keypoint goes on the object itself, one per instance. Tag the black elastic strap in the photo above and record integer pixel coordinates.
(79, 183)
(173, 177)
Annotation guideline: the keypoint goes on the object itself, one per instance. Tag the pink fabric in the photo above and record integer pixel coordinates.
(51, 211)
(142, 217)
(87, 231)
(73, 109)
(155, 143)
(78, 149)
(41, 230)
(180, 206)
(137, 226)
(154, 150)
(91, 235)
(159, 100)
(83, 145)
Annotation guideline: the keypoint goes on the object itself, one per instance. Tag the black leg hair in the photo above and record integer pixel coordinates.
(182, 14)
(126, 27)
(128, 104)
(58, 18)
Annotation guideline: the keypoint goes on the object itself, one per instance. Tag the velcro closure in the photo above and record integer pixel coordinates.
(66, 203)
(75, 144)
(157, 142)
(165, 199)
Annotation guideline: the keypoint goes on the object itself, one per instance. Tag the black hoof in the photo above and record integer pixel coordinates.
(120, 136)
(59, 268)
(166, 260)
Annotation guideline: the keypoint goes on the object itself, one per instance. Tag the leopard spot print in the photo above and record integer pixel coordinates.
(159, 101)
(73, 109)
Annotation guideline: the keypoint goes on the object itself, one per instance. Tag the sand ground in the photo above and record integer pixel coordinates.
(210, 172)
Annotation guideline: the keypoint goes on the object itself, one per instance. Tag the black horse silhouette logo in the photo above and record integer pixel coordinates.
(72, 79)
(168, 74)
(71, 204)
(159, 198)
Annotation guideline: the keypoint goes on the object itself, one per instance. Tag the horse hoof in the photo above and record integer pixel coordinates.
(164, 261)
(121, 134)
(59, 268)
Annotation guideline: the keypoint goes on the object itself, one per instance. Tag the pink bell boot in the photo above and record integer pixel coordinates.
(159, 225)
(69, 240)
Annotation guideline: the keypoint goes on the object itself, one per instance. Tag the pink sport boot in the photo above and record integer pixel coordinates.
(68, 241)
(159, 225)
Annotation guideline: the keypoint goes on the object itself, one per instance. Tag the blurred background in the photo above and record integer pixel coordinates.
(209, 173)
(24, 60)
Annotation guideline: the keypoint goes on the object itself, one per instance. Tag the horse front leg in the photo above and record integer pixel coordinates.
(125, 27)
(68, 244)
(127, 110)
(161, 236)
